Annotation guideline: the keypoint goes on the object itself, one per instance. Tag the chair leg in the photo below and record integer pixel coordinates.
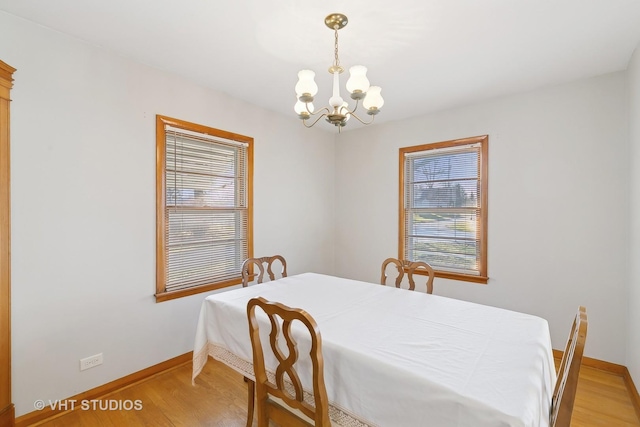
(251, 396)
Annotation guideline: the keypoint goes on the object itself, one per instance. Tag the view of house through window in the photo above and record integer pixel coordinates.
(443, 207)
(204, 216)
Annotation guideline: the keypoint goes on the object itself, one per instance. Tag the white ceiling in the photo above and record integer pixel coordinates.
(426, 55)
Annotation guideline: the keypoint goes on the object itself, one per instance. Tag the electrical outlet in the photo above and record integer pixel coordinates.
(91, 361)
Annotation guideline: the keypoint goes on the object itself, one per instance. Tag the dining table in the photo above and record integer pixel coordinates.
(394, 357)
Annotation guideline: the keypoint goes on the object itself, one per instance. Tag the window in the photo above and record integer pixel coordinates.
(204, 207)
(443, 207)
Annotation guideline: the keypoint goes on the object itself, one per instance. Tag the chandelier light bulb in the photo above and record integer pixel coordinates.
(373, 101)
(306, 86)
(345, 110)
(303, 110)
(358, 84)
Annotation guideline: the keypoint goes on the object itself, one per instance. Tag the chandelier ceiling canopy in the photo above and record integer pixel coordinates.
(339, 111)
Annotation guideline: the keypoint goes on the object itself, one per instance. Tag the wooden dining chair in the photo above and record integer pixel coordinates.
(248, 268)
(567, 380)
(409, 267)
(284, 384)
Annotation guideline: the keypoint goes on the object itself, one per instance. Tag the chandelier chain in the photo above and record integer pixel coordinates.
(337, 60)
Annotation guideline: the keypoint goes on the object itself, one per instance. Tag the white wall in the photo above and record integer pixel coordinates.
(633, 337)
(558, 210)
(83, 207)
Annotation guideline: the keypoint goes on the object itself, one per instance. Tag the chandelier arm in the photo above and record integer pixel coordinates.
(304, 122)
(354, 108)
(360, 120)
(325, 109)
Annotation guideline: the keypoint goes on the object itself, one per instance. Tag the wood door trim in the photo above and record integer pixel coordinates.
(7, 411)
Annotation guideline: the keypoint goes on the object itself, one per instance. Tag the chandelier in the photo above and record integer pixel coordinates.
(338, 112)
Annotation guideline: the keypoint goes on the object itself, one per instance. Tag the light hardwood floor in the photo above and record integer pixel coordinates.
(219, 399)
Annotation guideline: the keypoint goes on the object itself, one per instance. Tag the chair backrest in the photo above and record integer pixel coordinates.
(409, 267)
(567, 381)
(285, 383)
(249, 263)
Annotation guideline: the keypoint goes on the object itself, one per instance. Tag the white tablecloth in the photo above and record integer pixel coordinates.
(400, 358)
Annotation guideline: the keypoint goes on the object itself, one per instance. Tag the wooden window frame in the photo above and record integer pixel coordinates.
(483, 209)
(161, 221)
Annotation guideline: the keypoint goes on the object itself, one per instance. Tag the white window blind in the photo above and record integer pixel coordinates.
(442, 203)
(206, 209)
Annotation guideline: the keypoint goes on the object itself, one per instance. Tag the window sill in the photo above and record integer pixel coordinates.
(166, 296)
(462, 277)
